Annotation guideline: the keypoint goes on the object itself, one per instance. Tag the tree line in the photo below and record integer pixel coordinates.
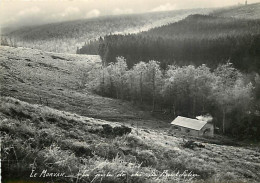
(224, 92)
(5, 41)
(242, 51)
(195, 40)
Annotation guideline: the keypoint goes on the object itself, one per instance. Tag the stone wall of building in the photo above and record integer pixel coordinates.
(207, 130)
(185, 131)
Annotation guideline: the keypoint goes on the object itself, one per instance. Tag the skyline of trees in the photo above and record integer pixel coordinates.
(196, 40)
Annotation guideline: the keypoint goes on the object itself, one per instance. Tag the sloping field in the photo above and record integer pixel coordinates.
(61, 81)
(36, 137)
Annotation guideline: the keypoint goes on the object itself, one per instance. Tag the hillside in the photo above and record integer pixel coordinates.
(67, 36)
(250, 11)
(59, 81)
(196, 40)
(49, 120)
(206, 27)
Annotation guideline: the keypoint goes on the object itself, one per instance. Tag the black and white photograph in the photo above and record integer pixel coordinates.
(130, 91)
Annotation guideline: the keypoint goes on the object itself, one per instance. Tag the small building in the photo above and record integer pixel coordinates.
(193, 126)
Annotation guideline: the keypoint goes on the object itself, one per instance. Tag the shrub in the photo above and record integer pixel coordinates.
(16, 155)
(193, 164)
(45, 138)
(146, 158)
(81, 149)
(56, 160)
(106, 151)
(229, 176)
(134, 141)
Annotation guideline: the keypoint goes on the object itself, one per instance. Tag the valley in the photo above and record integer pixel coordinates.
(67, 117)
(44, 97)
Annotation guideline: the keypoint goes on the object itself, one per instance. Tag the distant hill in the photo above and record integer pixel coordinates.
(250, 11)
(206, 26)
(196, 40)
(67, 36)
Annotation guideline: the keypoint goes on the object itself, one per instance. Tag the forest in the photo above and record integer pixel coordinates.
(225, 93)
(65, 37)
(200, 65)
(196, 40)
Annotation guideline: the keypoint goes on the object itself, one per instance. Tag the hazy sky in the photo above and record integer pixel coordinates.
(26, 12)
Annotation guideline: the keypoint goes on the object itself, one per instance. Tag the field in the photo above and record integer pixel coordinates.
(59, 81)
(50, 119)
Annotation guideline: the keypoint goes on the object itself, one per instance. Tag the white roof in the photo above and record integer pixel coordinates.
(189, 123)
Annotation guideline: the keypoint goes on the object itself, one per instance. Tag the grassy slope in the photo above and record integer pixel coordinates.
(66, 36)
(73, 143)
(42, 136)
(251, 11)
(34, 76)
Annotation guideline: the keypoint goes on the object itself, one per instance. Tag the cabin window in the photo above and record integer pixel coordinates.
(176, 128)
(206, 131)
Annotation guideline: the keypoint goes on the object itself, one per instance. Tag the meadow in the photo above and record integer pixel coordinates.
(59, 137)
